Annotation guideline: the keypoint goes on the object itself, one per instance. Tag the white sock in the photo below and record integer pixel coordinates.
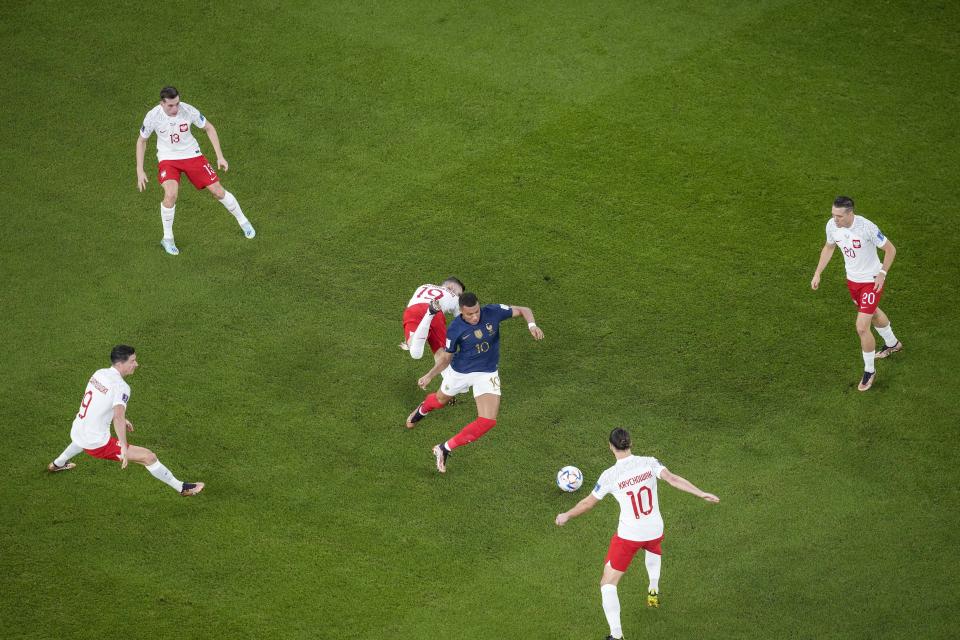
(611, 609)
(166, 217)
(868, 357)
(419, 337)
(652, 560)
(887, 334)
(68, 453)
(231, 204)
(161, 473)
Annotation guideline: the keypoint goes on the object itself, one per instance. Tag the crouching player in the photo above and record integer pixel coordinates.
(105, 399)
(424, 321)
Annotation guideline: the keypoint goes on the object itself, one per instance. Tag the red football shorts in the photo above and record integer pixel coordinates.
(198, 170)
(437, 338)
(109, 451)
(864, 296)
(621, 551)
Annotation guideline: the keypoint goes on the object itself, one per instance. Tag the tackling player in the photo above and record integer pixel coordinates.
(105, 399)
(470, 360)
(179, 152)
(422, 323)
(859, 238)
(633, 482)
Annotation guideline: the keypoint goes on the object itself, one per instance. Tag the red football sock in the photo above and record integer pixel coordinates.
(471, 432)
(429, 404)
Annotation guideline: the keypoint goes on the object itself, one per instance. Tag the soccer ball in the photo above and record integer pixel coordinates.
(569, 478)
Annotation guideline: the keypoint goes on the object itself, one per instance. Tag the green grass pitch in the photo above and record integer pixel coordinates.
(652, 178)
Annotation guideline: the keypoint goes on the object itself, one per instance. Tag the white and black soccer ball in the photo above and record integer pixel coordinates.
(569, 478)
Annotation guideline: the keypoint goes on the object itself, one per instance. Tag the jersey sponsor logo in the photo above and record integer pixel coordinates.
(184, 126)
(856, 243)
(163, 174)
(143, 129)
(505, 307)
(596, 487)
(635, 480)
(880, 237)
(448, 343)
(124, 397)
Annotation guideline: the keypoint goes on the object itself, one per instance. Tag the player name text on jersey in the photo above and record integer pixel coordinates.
(635, 480)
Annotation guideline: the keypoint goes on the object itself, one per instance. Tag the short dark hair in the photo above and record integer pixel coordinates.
(843, 202)
(455, 280)
(121, 353)
(468, 299)
(169, 93)
(620, 439)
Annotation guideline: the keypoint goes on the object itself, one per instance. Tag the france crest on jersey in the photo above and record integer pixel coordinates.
(476, 347)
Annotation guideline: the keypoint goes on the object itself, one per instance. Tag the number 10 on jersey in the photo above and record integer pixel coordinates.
(636, 499)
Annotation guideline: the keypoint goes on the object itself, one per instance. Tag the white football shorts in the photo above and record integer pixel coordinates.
(455, 383)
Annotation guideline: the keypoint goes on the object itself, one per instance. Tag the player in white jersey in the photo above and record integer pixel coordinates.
(424, 319)
(178, 151)
(859, 239)
(633, 482)
(104, 400)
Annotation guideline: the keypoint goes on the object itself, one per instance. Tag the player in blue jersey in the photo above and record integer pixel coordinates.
(470, 360)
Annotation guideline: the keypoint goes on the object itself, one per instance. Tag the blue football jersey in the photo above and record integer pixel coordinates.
(476, 347)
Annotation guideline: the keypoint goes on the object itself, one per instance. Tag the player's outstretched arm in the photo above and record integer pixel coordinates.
(889, 253)
(527, 314)
(120, 427)
(825, 254)
(685, 485)
(141, 151)
(578, 510)
(443, 360)
(215, 141)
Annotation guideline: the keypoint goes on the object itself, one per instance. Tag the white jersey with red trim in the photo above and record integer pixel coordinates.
(859, 243)
(633, 482)
(174, 139)
(105, 390)
(449, 303)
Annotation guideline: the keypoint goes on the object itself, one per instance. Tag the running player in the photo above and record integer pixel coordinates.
(422, 321)
(105, 399)
(178, 151)
(470, 360)
(859, 238)
(633, 482)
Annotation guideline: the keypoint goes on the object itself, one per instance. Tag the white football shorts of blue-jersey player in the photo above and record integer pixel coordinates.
(470, 360)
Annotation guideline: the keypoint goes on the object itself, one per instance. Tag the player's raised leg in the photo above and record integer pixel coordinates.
(159, 471)
(62, 462)
(890, 343)
(610, 600)
(229, 202)
(868, 344)
(168, 208)
(419, 338)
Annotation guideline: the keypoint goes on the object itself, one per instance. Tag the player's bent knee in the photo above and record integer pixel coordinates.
(143, 456)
